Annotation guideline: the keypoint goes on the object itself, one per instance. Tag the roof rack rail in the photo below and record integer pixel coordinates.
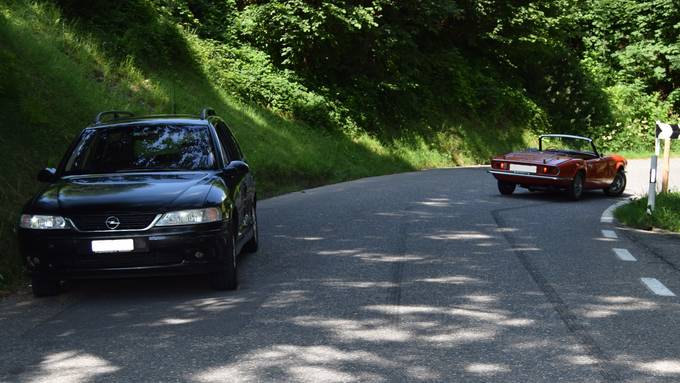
(207, 112)
(116, 114)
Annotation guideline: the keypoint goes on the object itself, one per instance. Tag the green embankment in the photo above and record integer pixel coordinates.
(54, 78)
(666, 213)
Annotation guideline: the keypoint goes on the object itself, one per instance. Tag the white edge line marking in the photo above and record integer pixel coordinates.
(609, 234)
(657, 287)
(608, 214)
(624, 255)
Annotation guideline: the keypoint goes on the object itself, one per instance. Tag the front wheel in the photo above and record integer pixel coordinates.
(252, 245)
(506, 188)
(575, 190)
(227, 277)
(618, 185)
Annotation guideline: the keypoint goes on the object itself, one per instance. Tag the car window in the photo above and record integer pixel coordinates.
(228, 142)
(142, 148)
(237, 148)
(221, 147)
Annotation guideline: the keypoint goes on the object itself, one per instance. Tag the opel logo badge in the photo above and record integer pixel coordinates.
(112, 222)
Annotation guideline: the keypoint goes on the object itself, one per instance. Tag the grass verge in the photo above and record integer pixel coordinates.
(629, 155)
(666, 214)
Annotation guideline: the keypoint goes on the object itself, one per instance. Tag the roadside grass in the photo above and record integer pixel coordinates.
(632, 155)
(666, 213)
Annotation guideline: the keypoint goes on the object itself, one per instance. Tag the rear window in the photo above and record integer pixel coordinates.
(142, 148)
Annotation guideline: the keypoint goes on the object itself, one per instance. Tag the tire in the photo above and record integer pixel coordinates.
(252, 245)
(618, 185)
(227, 277)
(44, 286)
(506, 188)
(575, 190)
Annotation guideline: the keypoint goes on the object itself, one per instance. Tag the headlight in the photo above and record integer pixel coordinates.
(42, 222)
(190, 217)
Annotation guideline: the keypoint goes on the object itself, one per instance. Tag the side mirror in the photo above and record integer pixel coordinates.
(47, 175)
(236, 170)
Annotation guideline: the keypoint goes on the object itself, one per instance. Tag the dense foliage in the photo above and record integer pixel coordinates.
(636, 42)
(603, 68)
(632, 48)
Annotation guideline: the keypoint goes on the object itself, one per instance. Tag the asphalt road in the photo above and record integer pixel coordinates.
(427, 276)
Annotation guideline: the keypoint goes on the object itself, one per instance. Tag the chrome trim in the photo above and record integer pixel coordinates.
(112, 221)
(590, 141)
(566, 136)
(553, 178)
(158, 216)
(510, 162)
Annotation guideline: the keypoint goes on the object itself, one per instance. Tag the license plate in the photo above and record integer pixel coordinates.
(522, 168)
(113, 246)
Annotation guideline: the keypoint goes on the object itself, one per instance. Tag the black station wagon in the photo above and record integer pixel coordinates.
(148, 195)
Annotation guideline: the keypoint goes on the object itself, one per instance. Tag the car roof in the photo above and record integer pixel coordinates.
(566, 136)
(176, 119)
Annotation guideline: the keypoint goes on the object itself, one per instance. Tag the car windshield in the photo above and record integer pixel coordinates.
(142, 148)
(565, 144)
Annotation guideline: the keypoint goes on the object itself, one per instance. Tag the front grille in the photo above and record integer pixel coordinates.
(128, 221)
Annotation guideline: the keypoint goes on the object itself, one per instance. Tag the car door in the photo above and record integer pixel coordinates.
(596, 170)
(609, 171)
(249, 179)
(242, 193)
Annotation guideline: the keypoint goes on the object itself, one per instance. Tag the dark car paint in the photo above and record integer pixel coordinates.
(158, 251)
(151, 192)
(230, 186)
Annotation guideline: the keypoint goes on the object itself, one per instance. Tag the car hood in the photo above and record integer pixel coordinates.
(157, 192)
(538, 158)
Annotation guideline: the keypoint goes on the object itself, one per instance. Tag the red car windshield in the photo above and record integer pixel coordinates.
(566, 144)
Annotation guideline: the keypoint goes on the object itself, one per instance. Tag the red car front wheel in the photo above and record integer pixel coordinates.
(618, 185)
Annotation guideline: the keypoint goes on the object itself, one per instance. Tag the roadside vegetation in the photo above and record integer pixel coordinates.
(321, 92)
(666, 213)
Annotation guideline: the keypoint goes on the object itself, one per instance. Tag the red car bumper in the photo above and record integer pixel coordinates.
(531, 179)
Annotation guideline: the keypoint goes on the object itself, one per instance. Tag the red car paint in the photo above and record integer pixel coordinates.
(556, 169)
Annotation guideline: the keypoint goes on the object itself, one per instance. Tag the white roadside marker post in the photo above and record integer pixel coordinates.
(651, 196)
(667, 132)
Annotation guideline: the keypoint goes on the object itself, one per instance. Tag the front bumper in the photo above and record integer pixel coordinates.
(68, 254)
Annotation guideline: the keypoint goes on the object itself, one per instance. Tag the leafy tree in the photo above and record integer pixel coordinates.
(387, 66)
(635, 41)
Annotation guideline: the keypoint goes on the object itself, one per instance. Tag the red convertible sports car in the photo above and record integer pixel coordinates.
(562, 162)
